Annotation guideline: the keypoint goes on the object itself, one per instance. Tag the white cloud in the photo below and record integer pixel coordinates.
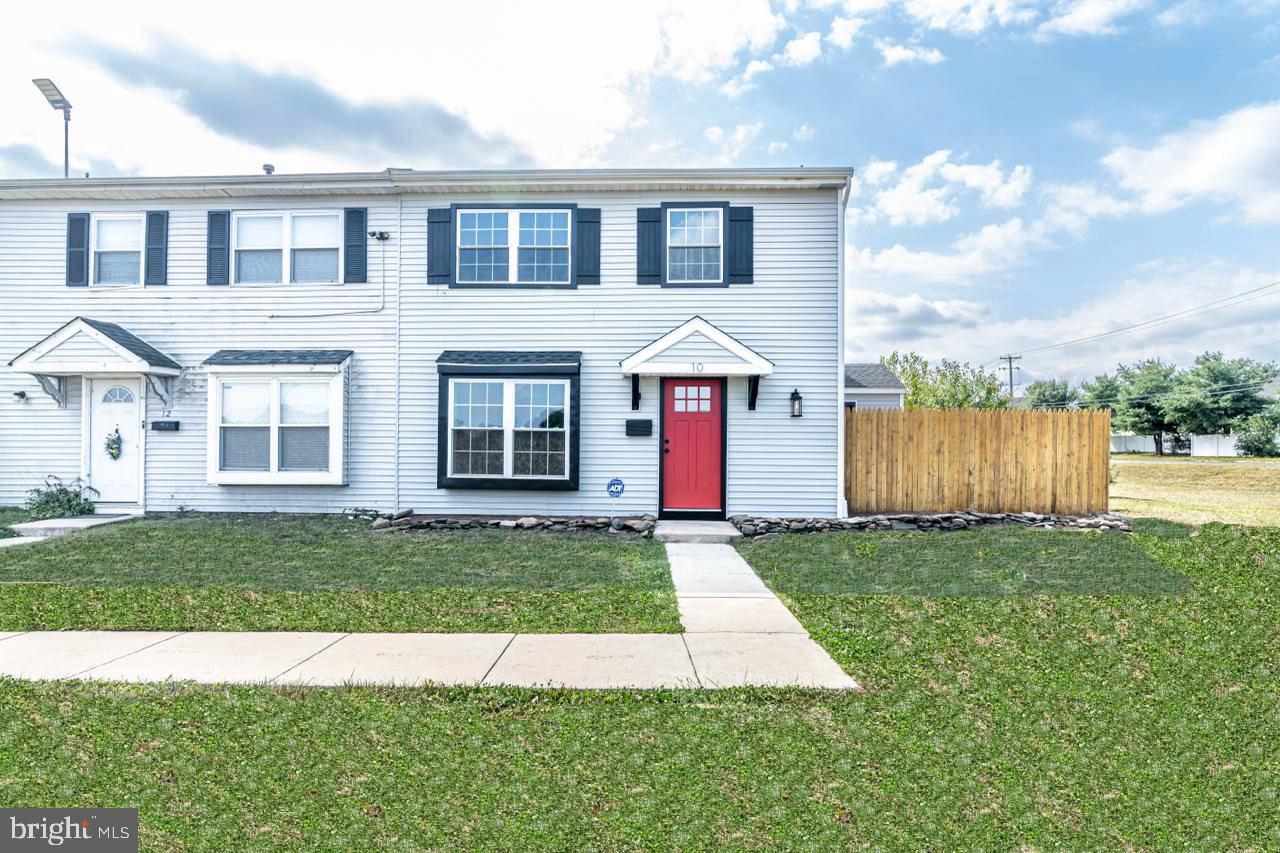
(927, 192)
(804, 133)
(778, 147)
(1088, 17)
(714, 134)
(880, 322)
(1072, 207)
(801, 50)
(896, 54)
(1186, 13)
(1233, 159)
(114, 120)
(970, 17)
(844, 31)
(736, 86)
(993, 248)
(736, 142)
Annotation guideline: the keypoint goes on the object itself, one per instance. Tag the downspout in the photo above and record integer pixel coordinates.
(395, 431)
(842, 507)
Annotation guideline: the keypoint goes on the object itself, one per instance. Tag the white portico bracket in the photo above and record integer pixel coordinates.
(162, 387)
(55, 387)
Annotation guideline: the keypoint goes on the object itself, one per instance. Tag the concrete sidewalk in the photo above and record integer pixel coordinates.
(737, 633)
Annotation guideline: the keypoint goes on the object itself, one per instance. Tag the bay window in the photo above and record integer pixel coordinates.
(300, 247)
(514, 246)
(276, 427)
(509, 428)
(117, 243)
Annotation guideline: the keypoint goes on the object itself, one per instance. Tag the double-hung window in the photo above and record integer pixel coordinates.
(117, 248)
(695, 245)
(509, 428)
(300, 247)
(276, 428)
(514, 246)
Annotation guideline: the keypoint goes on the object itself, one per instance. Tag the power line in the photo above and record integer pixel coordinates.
(1212, 391)
(1011, 359)
(1215, 305)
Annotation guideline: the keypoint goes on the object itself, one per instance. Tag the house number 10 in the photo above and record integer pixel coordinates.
(697, 367)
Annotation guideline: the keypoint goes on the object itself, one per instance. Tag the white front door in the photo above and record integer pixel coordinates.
(115, 446)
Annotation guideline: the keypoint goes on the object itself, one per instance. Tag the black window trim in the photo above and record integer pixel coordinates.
(556, 371)
(571, 284)
(724, 243)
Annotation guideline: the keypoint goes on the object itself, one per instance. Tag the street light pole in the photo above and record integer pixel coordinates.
(59, 101)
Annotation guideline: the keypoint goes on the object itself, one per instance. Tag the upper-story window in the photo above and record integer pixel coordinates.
(537, 240)
(695, 245)
(117, 248)
(301, 247)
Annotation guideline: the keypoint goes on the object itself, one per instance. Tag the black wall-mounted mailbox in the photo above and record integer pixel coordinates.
(640, 427)
(164, 426)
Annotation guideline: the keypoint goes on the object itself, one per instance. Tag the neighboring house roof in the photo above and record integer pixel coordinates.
(488, 358)
(278, 356)
(399, 181)
(132, 343)
(873, 375)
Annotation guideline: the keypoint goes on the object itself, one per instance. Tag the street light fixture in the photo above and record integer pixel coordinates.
(59, 102)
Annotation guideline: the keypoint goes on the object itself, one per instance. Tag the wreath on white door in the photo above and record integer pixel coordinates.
(115, 445)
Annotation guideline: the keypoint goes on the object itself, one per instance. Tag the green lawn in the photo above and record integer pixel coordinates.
(996, 722)
(11, 515)
(987, 561)
(1243, 491)
(328, 573)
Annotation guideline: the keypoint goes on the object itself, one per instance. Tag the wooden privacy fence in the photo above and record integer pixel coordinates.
(990, 460)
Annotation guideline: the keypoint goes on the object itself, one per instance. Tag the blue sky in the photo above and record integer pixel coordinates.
(1028, 171)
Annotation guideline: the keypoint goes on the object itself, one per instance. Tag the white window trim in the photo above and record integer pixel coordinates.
(513, 244)
(336, 376)
(94, 219)
(719, 212)
(509, 426)
(286, 246)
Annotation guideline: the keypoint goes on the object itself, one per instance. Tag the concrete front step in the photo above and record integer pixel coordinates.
(49, 527)
(701, 532)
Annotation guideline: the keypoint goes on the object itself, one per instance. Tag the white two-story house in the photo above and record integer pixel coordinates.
(551, 342)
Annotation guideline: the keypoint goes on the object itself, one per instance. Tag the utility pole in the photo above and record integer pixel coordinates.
(1010, 359)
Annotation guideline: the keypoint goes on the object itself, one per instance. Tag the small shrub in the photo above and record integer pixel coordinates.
(1256, 436)
(56, 499)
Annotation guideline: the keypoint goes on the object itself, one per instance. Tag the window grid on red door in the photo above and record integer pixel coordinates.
(692, 398)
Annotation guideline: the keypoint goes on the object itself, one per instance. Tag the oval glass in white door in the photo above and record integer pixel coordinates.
(115, 446)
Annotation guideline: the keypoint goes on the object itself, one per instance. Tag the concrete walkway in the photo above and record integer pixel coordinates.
(31, 532)
(737, 633)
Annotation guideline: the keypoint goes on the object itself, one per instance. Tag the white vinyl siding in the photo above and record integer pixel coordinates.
(776, 464)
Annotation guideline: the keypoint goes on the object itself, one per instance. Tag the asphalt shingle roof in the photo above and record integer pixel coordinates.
(870, 376)
(133, 343)
(496, 357)
(279, 356)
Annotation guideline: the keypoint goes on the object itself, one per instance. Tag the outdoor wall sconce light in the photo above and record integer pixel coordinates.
(797, 404)
(19, 396)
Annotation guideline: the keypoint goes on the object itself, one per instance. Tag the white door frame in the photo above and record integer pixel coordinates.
(86, 426)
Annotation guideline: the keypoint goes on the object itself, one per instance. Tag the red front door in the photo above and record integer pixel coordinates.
(692, 444)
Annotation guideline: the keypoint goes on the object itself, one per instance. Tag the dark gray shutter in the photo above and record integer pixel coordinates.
(440, 245)
(739, 246)
(587, 248)
(157, 251)
(355, 245)
(649, 245)
(77, 250)
(218, 251)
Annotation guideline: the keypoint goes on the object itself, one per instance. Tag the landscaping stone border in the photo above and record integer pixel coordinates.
(406, 519)
(754, 525)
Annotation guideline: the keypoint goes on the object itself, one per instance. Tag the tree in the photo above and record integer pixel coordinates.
(1102, 393)
(1140, 405)
(1050, 394)
(1216, 393)
(946, 385)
